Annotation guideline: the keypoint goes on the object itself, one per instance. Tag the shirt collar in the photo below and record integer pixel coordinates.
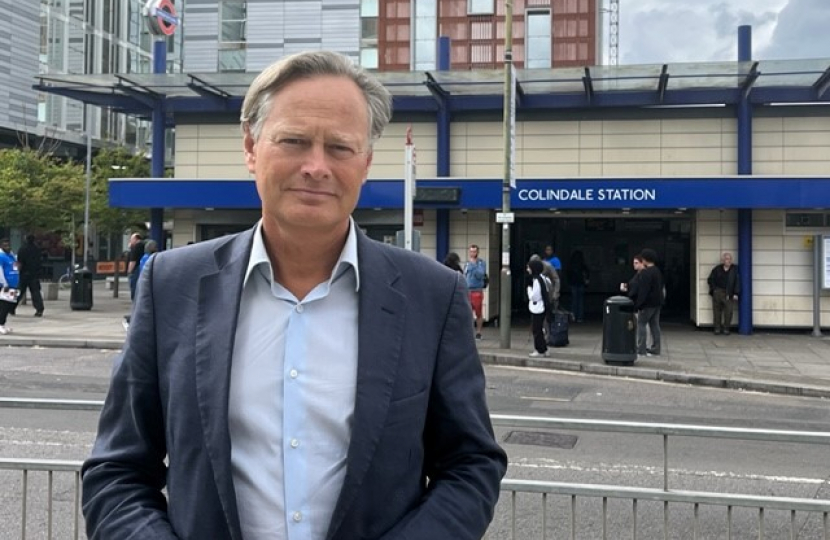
(348, 256)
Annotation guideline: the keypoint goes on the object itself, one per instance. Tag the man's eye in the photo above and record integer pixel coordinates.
(291, 141)
(342, 151)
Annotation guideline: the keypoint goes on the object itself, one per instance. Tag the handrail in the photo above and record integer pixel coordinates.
(684, 430)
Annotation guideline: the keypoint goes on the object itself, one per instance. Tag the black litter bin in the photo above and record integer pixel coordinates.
(80, 296)
(619, 331)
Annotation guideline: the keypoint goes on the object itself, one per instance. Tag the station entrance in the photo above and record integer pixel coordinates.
(608, 243)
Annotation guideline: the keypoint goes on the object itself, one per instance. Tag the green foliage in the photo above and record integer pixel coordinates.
(41, 193)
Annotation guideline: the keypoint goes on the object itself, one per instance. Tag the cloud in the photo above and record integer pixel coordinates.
(801, 32)
(661, 31)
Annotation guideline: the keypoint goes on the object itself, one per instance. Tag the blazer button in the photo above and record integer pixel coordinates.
(297, 517)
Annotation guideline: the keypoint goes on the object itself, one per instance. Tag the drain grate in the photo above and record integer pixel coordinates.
(541, 438)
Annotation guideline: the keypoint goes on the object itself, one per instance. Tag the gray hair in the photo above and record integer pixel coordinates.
(308, 64)
(151, 246)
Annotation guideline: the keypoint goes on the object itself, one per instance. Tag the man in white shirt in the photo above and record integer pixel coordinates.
(298, 381)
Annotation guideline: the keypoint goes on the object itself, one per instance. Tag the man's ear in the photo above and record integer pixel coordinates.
(368, 165)
(249, 147)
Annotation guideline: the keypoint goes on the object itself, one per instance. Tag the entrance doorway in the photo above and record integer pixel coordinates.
(608, 244)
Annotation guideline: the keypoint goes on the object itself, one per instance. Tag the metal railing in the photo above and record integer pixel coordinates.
(571, 492)
(665, 495)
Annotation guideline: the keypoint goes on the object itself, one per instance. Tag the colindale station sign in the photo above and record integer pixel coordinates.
(589, 194)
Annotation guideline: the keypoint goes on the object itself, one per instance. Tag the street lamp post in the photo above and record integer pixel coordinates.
(505, 297)
(88, 116)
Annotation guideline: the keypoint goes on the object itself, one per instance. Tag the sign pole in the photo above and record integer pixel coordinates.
(508, 181)
(408, 190)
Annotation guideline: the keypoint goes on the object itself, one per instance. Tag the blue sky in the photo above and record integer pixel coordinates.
(665, 31)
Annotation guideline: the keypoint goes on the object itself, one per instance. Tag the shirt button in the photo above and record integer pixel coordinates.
(293, 373)
(295, 443)
(298, 517)
(299, 308)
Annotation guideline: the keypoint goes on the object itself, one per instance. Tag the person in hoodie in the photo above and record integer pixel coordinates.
(9, 281)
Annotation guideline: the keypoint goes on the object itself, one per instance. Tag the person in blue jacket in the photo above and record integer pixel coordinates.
(9, 281)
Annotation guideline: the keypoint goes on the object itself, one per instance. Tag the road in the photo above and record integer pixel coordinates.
(695, 464)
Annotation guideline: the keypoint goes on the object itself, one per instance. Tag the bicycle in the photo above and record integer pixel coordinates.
(65, 280)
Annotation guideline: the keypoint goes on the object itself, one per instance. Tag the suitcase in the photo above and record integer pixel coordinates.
(558, 331)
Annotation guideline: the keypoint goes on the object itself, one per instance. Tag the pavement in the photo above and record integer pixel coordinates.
(780, 362)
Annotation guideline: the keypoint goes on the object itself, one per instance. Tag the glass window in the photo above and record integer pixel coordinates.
(480, 7)
(369, 58)
(538, 40)
(369, 28)
(232, 32)
(232, 23)
(232, 60)
(369, 8)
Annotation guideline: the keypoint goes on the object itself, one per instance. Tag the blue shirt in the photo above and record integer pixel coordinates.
(9, 272)
(292, 397)
(142, 262)
(474, 272)
(555, 262)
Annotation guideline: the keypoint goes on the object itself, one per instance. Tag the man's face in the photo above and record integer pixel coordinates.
(726, 259)
(473, 253)
(5, 246)
(548, 252)
(312, 155)
(638, 265)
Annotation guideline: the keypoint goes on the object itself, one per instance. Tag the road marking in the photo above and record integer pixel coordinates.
(552, 464)
(532, 398)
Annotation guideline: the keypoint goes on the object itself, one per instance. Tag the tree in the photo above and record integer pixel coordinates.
(115, 163)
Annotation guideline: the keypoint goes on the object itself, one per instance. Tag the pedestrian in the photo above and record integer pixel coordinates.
(724, 288)
(136, 247)
(30, 258)
(475, 271)
(630, 288)
(9, 281)
(537, 304)
(298, 380)
(453, 260)
(551, 258)
(553, 282)
(647, 303)
(578, 279)
(150, 247)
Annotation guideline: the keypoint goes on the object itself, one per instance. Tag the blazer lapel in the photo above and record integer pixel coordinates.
(381, 314)
(219, 296)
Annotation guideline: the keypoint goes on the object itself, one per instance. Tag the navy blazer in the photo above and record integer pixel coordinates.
(422, 463)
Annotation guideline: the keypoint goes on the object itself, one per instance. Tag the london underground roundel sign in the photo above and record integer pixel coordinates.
(161, 17)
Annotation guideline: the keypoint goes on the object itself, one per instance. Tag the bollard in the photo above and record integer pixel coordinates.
(116, 277)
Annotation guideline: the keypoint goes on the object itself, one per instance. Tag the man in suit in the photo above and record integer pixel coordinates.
(298, 380)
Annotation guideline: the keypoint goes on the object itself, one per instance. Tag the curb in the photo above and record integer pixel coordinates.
(677, 377)
(64, 343)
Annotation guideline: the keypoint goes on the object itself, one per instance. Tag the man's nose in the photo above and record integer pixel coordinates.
(316, 161)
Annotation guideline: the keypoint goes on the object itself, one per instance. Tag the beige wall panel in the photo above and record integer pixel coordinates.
(692, 125)
(479, 128)
(590, 169)
(548, 141)
(631, 155)
(691, 140)
(761, 257)
(798, 288)
(590, 127)
(485, 142)
(766, 215)
(635, 141)
(590, 141)
(762, 140)
(766, 228)
(691, 169)
(817, 168)
(799, 258)
(549, 128)
(796, 243)
(768, 242)
(799, 123)
(229, 172)
(808, 138)
(548, 156)
(220, 145)
(210, 159)
(186, 144)
(798, 273)
(220, 131)
(799, 153)
(459, 168)
(798, 318)
(485, 170)
(764, 272)
(187, 131)
(767, 288)
(767, 124)
(768, 167)
(187, 158)
(631, 169)
(729, 168)
(768, 318)
(590, 156)
(632, 127)
(548, 170)
(186, 171)
(799, 303)
(763, 154)
(388, 171)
